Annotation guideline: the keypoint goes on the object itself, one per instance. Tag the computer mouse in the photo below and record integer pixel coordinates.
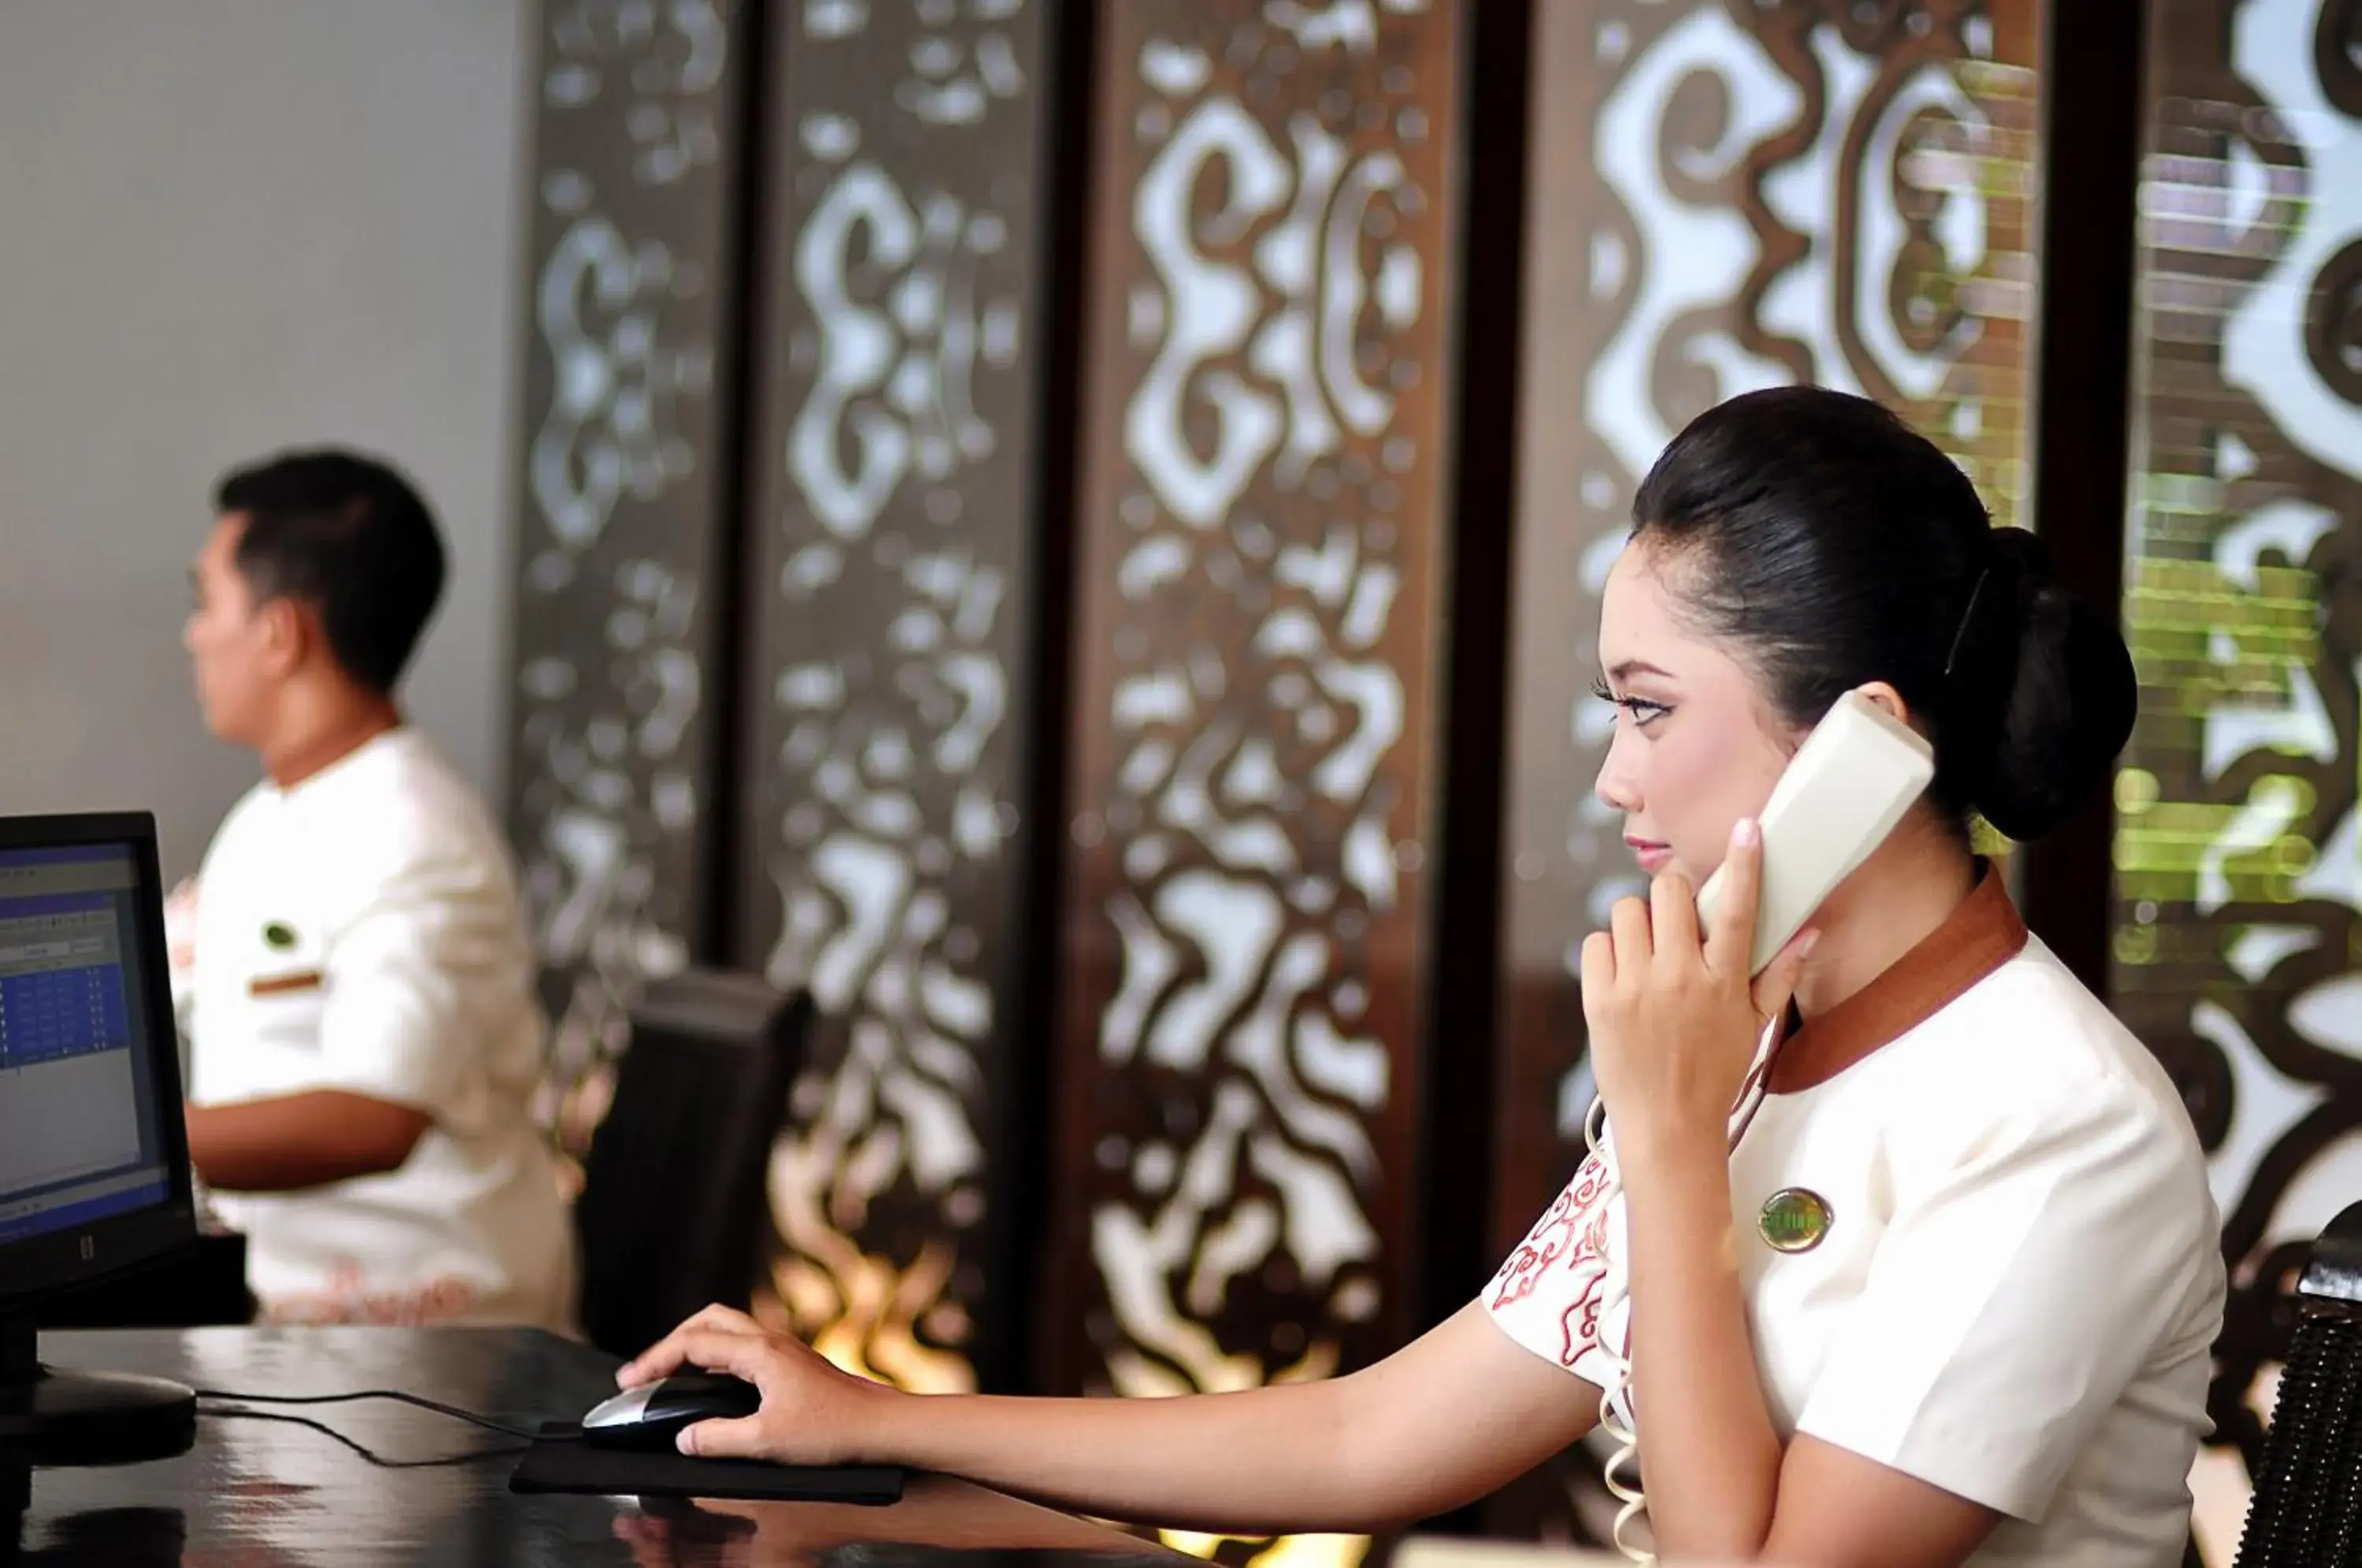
(652, 1415)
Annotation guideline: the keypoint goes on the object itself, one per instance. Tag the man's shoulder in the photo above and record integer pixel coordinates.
(243, 838)
(252, 801)
(412, 769)
(406, 809)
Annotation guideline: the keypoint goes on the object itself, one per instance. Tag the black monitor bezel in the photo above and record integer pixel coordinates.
(68, 1260)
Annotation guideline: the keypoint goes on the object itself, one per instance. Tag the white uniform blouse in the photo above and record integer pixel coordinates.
(2003, 1273)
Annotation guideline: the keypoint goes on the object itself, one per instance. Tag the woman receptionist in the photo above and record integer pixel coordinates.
(1941, 1291)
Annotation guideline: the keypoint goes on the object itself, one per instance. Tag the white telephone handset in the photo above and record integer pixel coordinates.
(1841, 794)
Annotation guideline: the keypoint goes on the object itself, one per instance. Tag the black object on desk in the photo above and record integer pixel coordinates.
(200, 1286)
(259, 1489)
(105, 1190)
(559, 1462)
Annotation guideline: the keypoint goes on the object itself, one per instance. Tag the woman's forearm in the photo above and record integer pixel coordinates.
(1234, 1463)
(1710, 1457)
(1453, 1415)
(1451, 1418)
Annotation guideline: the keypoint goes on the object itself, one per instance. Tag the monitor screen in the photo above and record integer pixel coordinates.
(81, 1123)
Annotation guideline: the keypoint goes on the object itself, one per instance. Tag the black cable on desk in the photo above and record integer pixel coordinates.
(457, 1414)
(471, 1457)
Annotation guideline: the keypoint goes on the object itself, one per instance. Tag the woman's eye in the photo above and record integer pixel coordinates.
(1644, 713)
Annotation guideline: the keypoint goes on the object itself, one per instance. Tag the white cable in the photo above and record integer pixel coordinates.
(1617, 1296)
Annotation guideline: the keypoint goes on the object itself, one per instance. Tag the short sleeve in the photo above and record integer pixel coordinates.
(181, 949)
(418, 981)
(2010, 1304)
(1554, 1295)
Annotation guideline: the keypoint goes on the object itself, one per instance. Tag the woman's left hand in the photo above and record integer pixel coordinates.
(1675, 1019)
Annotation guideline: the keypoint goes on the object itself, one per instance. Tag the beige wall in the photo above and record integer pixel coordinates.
(227, 227)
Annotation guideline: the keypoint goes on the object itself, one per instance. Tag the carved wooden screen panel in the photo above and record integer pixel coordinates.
(2237, 947)
(620, 524)
(1723, 197)
(1261, 538)
(892, 601)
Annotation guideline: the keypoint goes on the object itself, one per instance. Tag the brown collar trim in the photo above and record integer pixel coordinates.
(1975, 939)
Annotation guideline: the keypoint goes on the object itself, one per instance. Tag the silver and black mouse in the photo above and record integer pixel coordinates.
(652, 1415)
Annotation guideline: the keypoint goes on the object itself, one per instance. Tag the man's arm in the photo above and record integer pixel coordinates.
(301, 1141)
(397, 1044)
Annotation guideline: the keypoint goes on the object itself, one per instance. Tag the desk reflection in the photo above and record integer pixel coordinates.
(940, 1522)
(256, 1493)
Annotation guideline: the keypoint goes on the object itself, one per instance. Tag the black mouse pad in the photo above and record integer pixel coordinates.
(559, 1460)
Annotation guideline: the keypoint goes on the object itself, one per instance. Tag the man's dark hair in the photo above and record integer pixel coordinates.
(349, 537)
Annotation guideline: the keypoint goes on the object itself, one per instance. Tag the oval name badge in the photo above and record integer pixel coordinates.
(1794, 1220)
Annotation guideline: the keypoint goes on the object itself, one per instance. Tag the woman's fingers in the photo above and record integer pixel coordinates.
(1730, 942)
(664, 1358)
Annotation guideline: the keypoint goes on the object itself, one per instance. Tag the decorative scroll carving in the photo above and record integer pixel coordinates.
(620, 519)
(1262, 541)
(895, 466)
(1690, 177)
(2238, 942)
(1723, 197)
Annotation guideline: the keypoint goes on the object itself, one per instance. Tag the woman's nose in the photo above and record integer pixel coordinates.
(1614, 786)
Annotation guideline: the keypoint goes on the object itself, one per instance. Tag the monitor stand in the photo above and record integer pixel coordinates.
(51, 1418)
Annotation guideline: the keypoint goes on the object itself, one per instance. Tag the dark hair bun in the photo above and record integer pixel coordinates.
(2068, 702)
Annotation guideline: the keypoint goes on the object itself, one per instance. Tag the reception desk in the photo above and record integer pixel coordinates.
(266, 1493)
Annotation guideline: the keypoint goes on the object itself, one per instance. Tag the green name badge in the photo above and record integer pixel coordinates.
(1794, 1220)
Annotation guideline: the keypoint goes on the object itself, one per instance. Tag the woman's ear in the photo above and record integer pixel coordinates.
(1885, 696)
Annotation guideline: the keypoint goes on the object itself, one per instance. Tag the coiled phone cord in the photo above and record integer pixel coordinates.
(1632, 1502)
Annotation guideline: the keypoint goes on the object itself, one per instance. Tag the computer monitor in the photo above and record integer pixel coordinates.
(93, 1150)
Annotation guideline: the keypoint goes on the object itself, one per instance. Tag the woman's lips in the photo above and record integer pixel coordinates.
(1653, 856)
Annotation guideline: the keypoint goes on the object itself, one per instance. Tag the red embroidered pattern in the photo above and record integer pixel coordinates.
(1572, 1232)
(346, 1299)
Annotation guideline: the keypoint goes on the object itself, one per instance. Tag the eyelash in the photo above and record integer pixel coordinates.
(1644, 713)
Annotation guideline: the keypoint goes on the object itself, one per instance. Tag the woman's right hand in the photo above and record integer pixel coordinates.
(812, 1413)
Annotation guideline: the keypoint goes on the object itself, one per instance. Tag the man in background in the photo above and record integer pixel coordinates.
(360, 983)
